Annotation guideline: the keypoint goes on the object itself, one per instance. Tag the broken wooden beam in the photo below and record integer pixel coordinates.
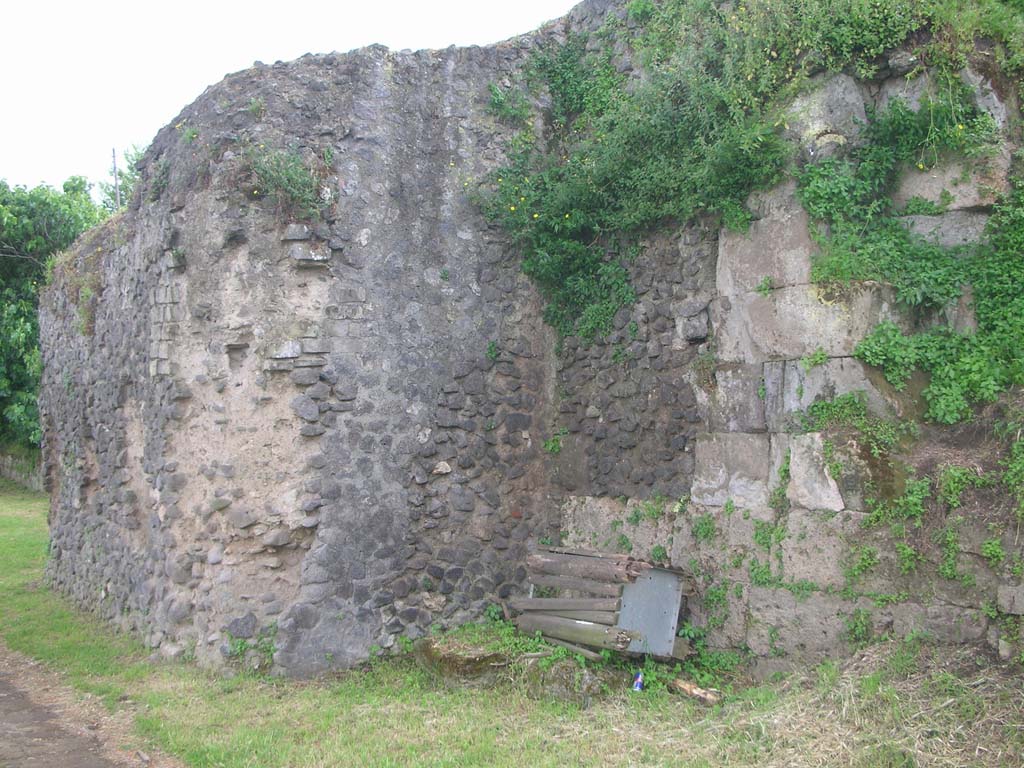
(582, 567)
(586, 653)
(565, 603)
(577, 632)
(608, 618)
(601, 588)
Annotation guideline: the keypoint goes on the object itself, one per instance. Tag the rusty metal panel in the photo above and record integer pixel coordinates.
(650, 606)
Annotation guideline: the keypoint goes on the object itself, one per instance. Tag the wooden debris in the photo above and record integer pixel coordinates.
(609, 618)
(600, 588)
(579, 566)
(577, 632)
(584, 652)
(708, 696)
(564, 604)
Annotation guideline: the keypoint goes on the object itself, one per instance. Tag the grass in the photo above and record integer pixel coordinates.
(939, 708)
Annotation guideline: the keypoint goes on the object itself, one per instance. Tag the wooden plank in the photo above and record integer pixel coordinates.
(584, 652)
(565, 603)
(602, 588)
(577, 632)
(608, 618)
(576, 566)
(585, 553)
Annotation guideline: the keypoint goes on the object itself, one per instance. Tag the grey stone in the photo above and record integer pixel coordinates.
(971, 188)
(810, 484)
(286, 350)
(243, 627)
(305, 408)
(831, 114)
(1010, 599)
(795, 322)
(279, 537)
(737, 404)
(952, 229)
(732, 466)
(777, 249)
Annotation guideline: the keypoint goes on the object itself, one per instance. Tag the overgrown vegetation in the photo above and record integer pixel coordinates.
(35, 224)
(286, 178)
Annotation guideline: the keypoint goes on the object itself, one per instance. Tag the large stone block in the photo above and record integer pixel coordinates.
(971, 185)
(802, 388)
(737, 404)
(945, 623)
(950, 229)
(810, 484)
(815, 546)
(1011, 599)
(777, 248)
(830, 116)
(813, 626)
(794, 322)
(732, 466)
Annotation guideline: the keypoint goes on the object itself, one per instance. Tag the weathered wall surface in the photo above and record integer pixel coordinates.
(268, 432)
(731, 489)
(273, 437)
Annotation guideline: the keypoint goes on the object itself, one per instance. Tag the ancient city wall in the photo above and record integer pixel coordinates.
(289, 438)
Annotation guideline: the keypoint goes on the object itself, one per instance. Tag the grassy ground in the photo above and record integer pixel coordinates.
(897, 704)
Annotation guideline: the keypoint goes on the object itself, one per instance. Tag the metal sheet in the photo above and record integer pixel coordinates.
(650, 606)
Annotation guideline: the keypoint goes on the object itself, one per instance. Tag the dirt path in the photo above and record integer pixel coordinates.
(45, 724)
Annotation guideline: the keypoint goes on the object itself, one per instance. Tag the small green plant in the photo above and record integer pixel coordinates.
(813, 360)
(716, 603)
(993, 552)
(850, 410)
(493, 612)
(778, 499)
(949, 542)
(508, 104)
(704, 528)
(909, 506)
(955, 480)
(859, 627)
(493, 350)
(862, 560)
(284, 177)
(729, 508)
(257, 107)
(659, 554)
(765, 287)
(680, 506)
(623, 544)
(159, 179)
(907, 557)
(553, 444)
(444, 274)
(189, 134)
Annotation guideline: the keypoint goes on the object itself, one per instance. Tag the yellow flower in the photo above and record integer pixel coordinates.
(959, 127)
(920, 166)
(536, 215)
(511, 207)
(500, 179)
(522, 199)
(567, 215)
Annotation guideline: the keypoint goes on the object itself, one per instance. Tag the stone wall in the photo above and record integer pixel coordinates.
(748, 504)
(285, 439)
(23, 470)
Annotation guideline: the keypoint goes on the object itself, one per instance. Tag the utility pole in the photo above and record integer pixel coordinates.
(117, 187)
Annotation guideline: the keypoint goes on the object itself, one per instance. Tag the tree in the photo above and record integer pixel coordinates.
(127, 175)
(34, 225)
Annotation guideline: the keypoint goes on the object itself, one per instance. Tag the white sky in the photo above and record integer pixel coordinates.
(81, 78)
